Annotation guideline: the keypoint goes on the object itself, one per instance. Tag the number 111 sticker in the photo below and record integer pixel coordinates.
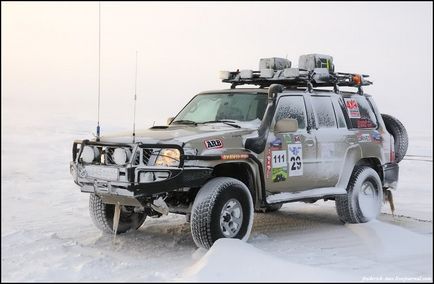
(295, 159)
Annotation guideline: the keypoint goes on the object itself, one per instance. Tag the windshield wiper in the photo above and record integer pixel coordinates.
(227, 122)
(183, 121)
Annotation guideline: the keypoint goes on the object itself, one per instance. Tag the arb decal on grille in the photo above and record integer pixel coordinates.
(213, 144)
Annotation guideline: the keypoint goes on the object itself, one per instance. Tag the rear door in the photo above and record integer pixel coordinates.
(291, 157)
(333, 139)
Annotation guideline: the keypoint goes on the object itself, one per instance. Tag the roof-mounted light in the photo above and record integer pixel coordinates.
(357, 79)
(224, 75)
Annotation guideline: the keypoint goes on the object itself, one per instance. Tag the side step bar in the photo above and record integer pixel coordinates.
(319, 193)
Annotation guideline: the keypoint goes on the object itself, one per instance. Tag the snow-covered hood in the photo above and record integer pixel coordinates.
(181, 134)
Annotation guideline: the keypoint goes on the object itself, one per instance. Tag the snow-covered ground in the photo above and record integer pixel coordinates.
(47, 234)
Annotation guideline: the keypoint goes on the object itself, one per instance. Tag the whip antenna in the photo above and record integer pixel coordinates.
(135, 102)
(99, 68)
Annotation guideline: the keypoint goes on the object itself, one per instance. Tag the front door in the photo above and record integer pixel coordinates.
(290, 157)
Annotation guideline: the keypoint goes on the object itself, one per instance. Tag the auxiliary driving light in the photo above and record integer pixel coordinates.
(89, 154)
(121, 155)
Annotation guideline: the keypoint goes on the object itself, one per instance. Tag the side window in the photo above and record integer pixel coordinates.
(324, 111)
(360, 112)
(292, 107)
(339, 113)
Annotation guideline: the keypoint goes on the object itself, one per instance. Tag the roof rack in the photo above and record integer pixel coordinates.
(318, 71)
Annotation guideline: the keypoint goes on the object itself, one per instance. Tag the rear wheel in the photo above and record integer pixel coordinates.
(364, 197)
(223, 208)
(102, 216)
(399, 133)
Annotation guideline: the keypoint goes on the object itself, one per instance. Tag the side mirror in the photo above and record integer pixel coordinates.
(286, 125)
(169, 120)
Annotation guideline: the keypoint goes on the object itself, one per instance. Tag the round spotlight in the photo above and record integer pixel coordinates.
(120, 156)
(88, 154)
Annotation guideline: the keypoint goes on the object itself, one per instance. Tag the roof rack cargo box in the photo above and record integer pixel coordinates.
(274, 63)
(311, 61)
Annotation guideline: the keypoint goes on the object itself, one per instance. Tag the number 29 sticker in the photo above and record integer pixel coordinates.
(295, 159)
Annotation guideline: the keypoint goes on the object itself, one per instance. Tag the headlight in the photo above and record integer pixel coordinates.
(121, 155)
(168, 158)
(89, 154)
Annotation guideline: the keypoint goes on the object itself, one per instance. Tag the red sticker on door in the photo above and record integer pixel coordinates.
(213, 144)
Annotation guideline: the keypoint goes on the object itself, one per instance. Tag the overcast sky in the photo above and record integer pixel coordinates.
(50, 53)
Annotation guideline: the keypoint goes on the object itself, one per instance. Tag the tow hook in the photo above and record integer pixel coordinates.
(388, 197)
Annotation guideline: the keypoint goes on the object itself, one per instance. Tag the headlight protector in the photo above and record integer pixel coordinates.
(168, 158)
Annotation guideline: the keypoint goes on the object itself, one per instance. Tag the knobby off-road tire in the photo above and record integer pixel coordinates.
(364, 197)
(102, 216)
(223, 208)
(399, 133)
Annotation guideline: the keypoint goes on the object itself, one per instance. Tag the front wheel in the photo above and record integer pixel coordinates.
(223, 208)
(364, 197)
(102, 216)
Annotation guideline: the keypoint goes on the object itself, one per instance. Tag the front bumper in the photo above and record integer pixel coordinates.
(174, 178)
(390, 175)
(130, 182)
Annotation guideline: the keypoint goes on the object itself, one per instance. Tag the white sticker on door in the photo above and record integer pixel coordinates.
(278, 159)
(295, 159)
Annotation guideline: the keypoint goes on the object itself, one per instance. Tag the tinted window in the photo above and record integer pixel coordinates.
(292, 107)
(360, 112)
(324, 112)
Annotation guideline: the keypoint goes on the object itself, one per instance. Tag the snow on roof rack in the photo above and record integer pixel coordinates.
(317, 71)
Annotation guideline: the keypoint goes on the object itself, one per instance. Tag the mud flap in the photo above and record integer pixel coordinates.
(116, 218)
(388, 197)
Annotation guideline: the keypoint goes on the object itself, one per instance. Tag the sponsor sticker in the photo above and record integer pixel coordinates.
(364, 123)
(279, 174)
(364, 137)
(276, 144)
(352, 107)
(377, 137)
(287, 138)
(268, 164)
(213, 144)
(297, 139)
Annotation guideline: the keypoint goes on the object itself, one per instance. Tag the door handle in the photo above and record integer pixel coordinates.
(309, 142)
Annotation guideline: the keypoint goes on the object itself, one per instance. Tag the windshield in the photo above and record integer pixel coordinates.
(221, 107)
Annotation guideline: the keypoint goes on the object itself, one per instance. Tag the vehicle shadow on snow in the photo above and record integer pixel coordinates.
(295, 220)
(173, 232)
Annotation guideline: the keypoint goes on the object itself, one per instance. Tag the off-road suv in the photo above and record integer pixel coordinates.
(229, 153)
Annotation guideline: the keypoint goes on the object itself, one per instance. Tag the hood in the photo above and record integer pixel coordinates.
(179, 134)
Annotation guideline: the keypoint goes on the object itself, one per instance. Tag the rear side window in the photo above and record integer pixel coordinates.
(292, 107)
(360, 112)
(325, 114)
(339, 114)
